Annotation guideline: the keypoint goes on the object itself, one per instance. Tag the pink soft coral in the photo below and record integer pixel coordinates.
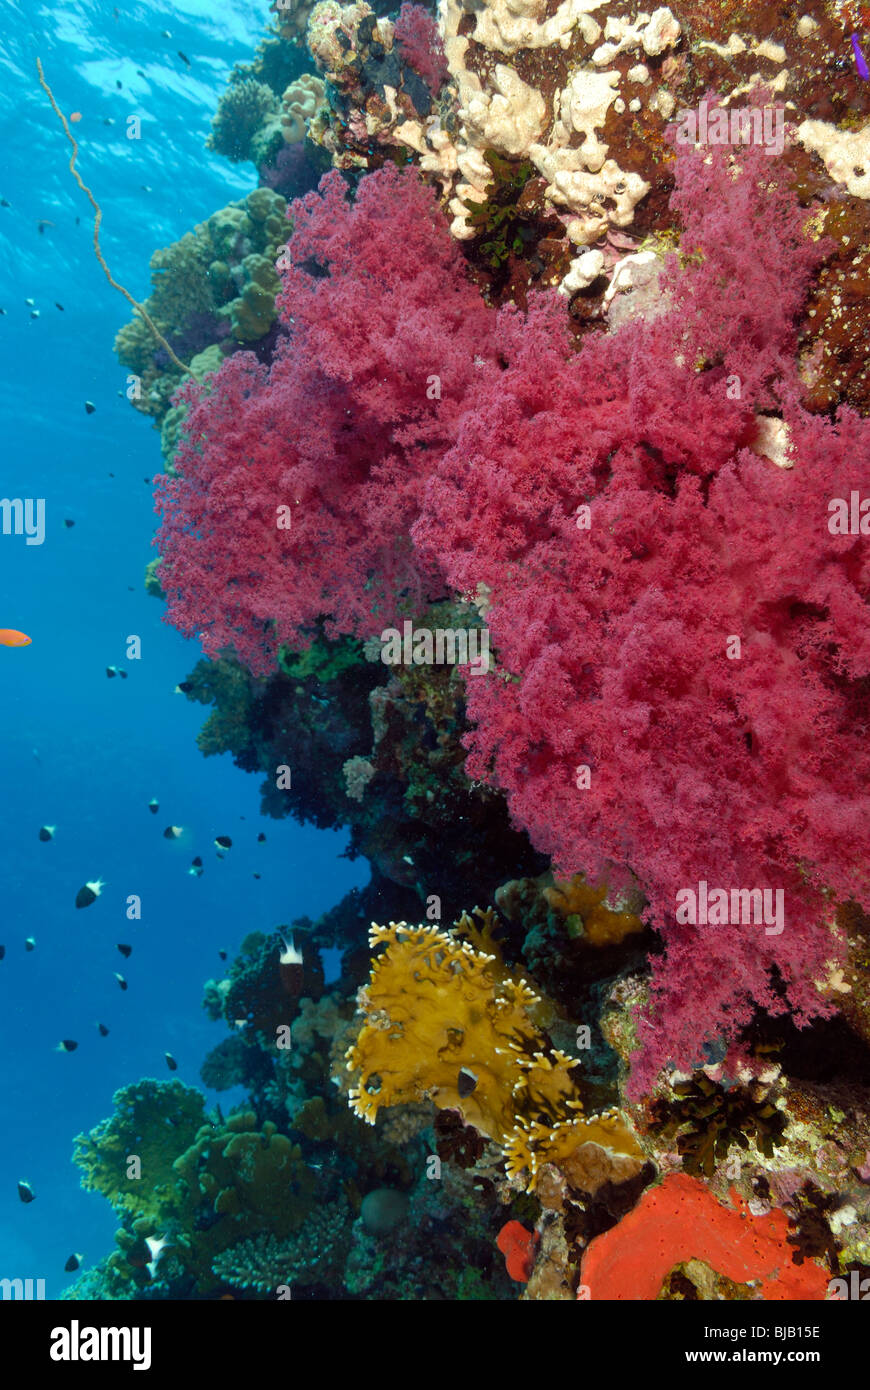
(420, 43)
(613, 641)
(363, 395)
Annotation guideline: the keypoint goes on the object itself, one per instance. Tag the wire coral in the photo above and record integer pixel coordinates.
(681, 1220)
(446, 1019)
(98, 217)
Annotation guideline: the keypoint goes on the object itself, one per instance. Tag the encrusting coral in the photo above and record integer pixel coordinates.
(680, 1221)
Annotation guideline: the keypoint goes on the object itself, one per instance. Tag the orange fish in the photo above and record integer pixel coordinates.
(11, 637)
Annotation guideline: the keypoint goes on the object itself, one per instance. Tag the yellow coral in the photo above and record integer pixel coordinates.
(599, 923)
(565, 1146)
(440, 1002)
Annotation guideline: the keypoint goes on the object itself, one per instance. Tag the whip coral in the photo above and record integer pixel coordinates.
(681, 1220)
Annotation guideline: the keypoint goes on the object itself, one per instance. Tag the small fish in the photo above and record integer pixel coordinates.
(3, 312)
(2, 952)
(34, 313)
(258, 875)
(196, 868)
(89, 894)
(73, 1263)
(184, 686)
(66, 1045)
(466, 1082)
(11, 637)
(90, 407)
(172, 832)
(67, 523)
(165, 34)
(122, 673)
(170, 1061)
(261, 839)
(30, 303)
(155, 1248)
(107, 120)
(30, 943)
(121, 981)
(42, 224)
(5, 203)
(104, 1032)
(860, 61)
(111, 672)
(183, 57)
(222, 954)
(59, 306)
(26, 1192)
(146, 188)
(223, 842)
(126, 951)
(46, 833)
(154, 805)
(119, 84)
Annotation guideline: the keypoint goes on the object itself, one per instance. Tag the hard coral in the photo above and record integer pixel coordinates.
(154, 1120)
(443, 1012)
(681, 1220)
(242, 110)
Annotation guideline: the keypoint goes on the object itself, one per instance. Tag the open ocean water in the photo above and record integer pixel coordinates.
(83, 752)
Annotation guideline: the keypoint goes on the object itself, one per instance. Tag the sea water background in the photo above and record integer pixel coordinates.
(76, 749)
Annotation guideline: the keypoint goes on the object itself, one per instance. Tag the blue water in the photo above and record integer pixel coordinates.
(80, 751)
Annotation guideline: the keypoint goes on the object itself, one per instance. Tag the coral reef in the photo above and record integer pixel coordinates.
(212, 290)
(547, 366)
(445, 1019)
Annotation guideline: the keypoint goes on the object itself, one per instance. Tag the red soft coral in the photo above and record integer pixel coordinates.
(363, 395)
(613, 641)
(421, 46)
